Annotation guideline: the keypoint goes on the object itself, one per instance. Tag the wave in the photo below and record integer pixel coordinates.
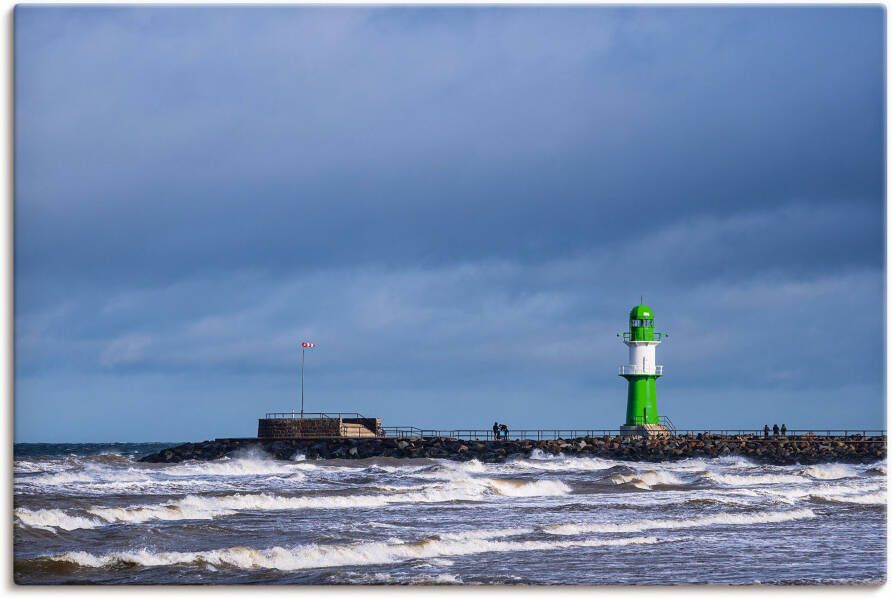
(730, 479)
(485, 534)
(53, 519)
(119, 484)
(834, 491)
(452, 470)
(830, 471)
(246, 463)
(878, 469)
(706, 521)
(521, 488)
(873, 498)
(110, 477)
(540, 460)
(379, 578)
(62, 478)
(201, 507)
(332, 555)
(25, 466)
(646, 480)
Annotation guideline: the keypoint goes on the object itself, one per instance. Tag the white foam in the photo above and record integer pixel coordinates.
(62, 478)
(120, 484)
(830, 471)
(452, 470)
(646, 480)
(560, 462)
(246, 464)
(879, 468)
(53, 519)
(829, 491)
(37, 466)
(332, 555)
(486, 534)
(729, 479)
(709, 520)
(103, 478)
(536, 488)
(874, 498)
(209, 507)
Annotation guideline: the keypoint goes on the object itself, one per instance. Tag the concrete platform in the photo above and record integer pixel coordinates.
(644, 430)
(318, 427)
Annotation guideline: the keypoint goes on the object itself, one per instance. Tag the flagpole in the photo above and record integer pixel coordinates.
(303, 351)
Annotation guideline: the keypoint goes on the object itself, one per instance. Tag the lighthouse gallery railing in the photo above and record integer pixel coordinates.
(634, 370)
(658, 336)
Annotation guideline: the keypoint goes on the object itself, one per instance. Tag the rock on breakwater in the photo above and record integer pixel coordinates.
(781, 450)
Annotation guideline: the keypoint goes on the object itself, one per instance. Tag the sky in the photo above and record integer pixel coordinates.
(459, 206)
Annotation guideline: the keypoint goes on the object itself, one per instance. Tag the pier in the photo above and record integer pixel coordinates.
(807, 447)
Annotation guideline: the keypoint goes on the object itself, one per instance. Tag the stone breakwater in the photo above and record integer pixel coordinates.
(782, 450)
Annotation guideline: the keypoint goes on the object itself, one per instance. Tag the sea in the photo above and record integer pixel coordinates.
(93, 514)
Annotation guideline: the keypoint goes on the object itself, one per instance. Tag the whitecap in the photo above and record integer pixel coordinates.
(730, 479)
(873, 498)
(646, 480)
(209, 507)
(53, 520)
(314, 556)
(705, 521)
(830, 471)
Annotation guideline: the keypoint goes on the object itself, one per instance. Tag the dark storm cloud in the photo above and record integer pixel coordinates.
(483, 192)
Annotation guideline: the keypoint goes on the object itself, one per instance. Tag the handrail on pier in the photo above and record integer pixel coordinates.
(569, 433)
(313, 415)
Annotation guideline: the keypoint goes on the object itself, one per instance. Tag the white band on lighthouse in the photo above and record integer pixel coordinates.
(643, 357)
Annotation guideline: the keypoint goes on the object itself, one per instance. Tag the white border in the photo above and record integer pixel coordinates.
(6, 263)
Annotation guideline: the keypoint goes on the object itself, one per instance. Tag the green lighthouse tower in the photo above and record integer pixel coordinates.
(641, 373)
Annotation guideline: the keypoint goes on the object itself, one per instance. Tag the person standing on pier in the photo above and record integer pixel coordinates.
(504, 429)
(495, 430)
(766, 430)
(783, 429)
(776, 430)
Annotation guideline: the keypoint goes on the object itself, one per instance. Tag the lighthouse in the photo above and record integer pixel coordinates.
(642, 371)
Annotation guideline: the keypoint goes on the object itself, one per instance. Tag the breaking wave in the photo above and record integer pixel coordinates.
(332, 555)
(53, 519)
(830, 471)
(646, 480)
(209, 507)
(651, 524)
(730, 479)
(246, 464)
(873, 498)
(539, 460)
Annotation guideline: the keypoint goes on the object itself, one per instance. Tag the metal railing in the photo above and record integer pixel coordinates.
(662, 420)
(658, 336)
(835, 433)
(574, 433)
(313, 415)
(524, 434)
(634, 370)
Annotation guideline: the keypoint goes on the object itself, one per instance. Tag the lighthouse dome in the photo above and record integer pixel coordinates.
(641, 312)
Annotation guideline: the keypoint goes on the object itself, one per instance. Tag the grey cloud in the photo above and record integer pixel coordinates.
(458, 204)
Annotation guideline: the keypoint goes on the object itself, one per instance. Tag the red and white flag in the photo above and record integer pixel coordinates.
(307, 345)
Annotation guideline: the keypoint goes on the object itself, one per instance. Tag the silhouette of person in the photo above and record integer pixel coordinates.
(504, 429)
(783, 429)
(495, 430)
(766, 430)
(776, 430)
